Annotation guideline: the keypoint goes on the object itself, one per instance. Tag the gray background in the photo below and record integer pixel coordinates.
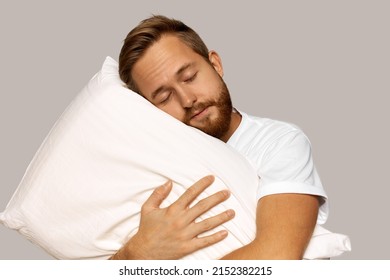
(323, 65)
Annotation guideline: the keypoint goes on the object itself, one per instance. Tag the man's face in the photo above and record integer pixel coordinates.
(183, 84)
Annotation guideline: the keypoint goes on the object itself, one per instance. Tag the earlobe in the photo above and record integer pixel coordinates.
(216, 62)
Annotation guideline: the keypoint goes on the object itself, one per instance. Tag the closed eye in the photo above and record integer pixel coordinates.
(166, 98)
(190, 79)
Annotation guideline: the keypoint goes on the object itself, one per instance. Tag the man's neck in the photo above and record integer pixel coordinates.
(234, 123)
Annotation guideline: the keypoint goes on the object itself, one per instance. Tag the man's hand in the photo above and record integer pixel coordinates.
(172, 233)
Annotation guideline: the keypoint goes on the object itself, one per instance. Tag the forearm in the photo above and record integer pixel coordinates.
(255, 251)
(130, 251)
(247, 252)
(122, 255)
(285, 224)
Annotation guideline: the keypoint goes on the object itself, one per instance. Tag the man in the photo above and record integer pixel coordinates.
(167, 63)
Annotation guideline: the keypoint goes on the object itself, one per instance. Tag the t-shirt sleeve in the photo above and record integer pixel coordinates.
(288, 167)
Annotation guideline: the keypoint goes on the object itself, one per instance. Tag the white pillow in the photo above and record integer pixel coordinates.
(81, 195)
(325, 244)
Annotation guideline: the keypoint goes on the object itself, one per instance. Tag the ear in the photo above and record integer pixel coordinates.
(216, 62)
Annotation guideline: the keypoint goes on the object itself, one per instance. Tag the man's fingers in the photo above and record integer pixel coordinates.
(157, 197)
(203, 242)
(213, 222)
(206, 204)
(193, 192)
(198, 243)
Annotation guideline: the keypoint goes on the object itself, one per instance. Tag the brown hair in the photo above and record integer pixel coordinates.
(145, 34)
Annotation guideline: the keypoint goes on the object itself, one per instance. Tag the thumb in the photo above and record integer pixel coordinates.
(157, 197)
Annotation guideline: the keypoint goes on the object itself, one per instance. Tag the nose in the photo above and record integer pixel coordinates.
(186, 98)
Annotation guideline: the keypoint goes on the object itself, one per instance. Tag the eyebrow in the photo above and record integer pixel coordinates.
(178, 73)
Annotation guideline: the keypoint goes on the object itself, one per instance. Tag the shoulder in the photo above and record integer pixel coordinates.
(270, 128)
(261, 136)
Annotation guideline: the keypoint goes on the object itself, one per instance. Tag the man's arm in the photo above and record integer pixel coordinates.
(285, 224)
(171, 232)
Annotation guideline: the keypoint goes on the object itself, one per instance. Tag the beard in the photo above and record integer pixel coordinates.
(218, 126)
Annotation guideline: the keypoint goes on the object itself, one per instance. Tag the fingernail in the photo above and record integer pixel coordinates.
(167, 184)
(223, 233)
(226, 193)
(230, 213)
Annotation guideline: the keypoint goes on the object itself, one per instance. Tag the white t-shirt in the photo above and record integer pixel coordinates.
(281, 155)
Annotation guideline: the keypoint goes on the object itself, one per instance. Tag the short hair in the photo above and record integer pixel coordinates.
(148, 32)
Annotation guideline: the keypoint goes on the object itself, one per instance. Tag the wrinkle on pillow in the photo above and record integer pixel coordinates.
(81, 195)
(325, 244)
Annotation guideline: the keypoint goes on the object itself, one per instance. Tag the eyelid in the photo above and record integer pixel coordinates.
(166, 98)
(191, 78)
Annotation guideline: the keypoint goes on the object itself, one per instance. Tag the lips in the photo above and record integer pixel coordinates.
(199, 113)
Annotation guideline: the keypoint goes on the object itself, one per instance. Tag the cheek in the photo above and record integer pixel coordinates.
(211, 87)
